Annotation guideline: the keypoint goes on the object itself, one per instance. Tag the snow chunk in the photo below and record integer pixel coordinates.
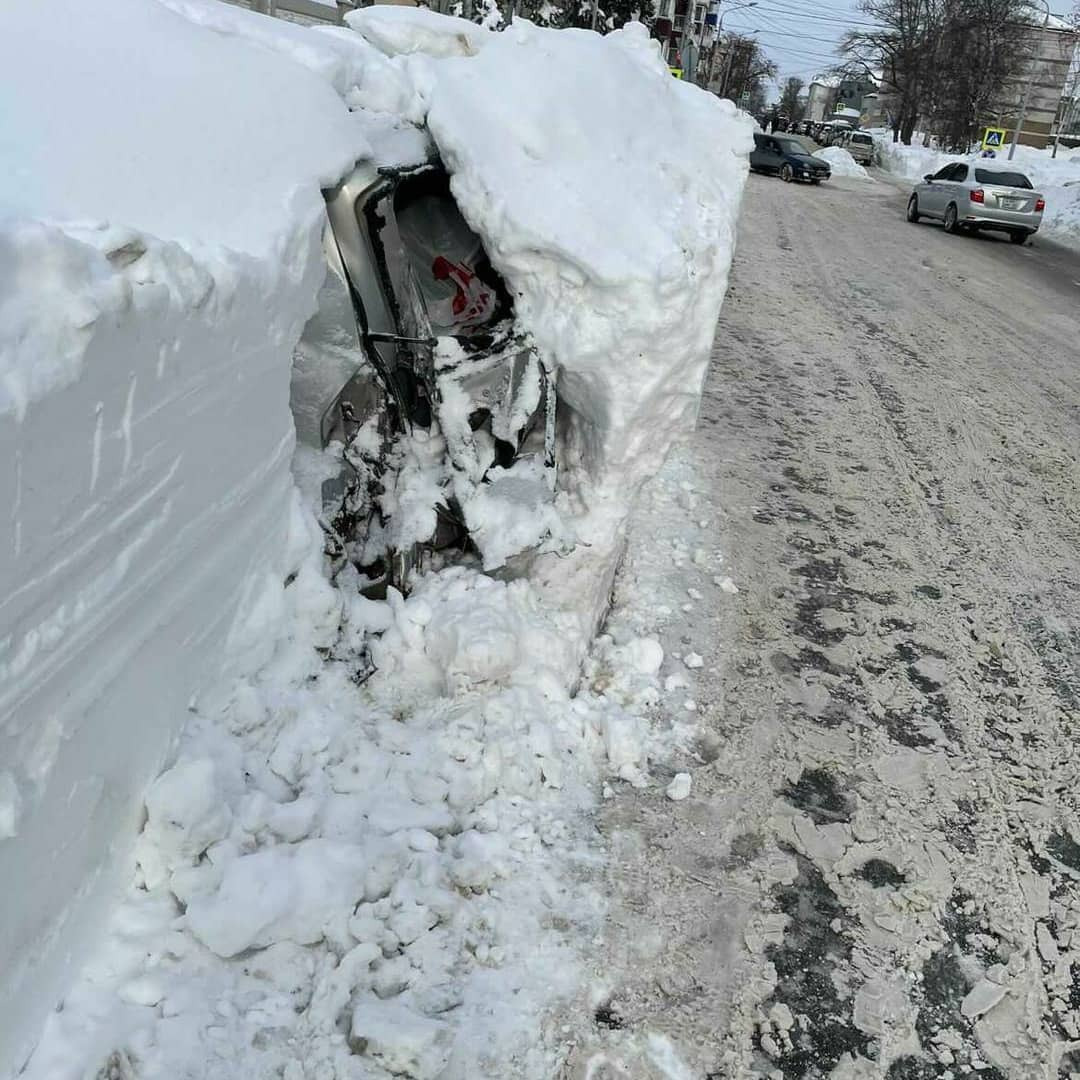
(400, 1040)
(679, 788)
(186, 813)
(982, 997)
(693, 660)
(405, 30)
(644, 655)
(841, 162)
(279, 894)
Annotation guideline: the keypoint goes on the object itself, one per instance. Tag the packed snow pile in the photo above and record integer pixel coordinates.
(158, 257)
(1058, 179)
(361, 864)
(841, 162)
(364, 856)
(614, 235)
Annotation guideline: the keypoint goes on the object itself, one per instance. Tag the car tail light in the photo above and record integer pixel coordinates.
(978, 195)
(1040, 204)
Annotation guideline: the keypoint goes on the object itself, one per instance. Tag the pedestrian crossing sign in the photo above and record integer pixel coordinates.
(993, 138)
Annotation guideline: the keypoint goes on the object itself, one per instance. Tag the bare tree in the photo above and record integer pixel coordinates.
(982, 47)
(946, 61)
(745, 68)
(790, 105)
(902, 47)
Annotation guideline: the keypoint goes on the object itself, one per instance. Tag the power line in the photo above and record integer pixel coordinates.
(789, 13)
(802, 37)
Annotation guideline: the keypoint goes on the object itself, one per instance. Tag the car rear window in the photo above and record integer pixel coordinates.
(861, 139)
(1002, 179)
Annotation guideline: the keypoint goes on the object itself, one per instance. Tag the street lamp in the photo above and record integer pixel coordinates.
(1027, 89)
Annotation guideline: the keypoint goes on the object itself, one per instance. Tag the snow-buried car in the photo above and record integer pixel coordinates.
(433, 409)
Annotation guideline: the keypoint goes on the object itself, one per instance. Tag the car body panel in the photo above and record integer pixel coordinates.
(862, 151)
(387, 353)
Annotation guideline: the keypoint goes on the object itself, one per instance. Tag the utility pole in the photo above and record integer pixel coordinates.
(1027, 89)
(712, 56)
(1065, 111)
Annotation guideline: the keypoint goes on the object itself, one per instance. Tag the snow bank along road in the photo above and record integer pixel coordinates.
(876, 871)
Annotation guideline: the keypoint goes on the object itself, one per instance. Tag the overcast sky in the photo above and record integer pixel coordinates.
(801, 35)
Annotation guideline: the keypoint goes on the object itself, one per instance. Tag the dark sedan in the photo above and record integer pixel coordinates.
(787, 158)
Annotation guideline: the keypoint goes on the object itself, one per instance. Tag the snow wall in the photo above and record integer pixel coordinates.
(158, 258)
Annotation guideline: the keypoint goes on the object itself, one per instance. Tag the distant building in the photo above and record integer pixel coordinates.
(821, 97)
(1046, 79)
(830, 95)
(872, 113)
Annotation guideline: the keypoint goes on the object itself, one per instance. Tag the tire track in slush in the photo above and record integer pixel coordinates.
(890, 823)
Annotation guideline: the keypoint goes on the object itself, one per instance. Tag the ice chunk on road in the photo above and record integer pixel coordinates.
(679, 788)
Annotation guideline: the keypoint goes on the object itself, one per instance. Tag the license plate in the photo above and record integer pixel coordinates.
(1012, 204)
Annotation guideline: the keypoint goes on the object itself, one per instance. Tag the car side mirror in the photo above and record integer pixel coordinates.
(928, 177)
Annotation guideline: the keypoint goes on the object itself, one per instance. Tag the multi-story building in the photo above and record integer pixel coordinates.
(821, 97)
(1044, 81)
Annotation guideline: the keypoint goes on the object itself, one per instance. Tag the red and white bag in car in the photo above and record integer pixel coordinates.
(444, 252)
(473, 302)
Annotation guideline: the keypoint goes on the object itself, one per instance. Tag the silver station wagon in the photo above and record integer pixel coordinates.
(979, 195)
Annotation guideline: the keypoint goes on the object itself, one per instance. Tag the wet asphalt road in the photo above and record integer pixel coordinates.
(878, 873)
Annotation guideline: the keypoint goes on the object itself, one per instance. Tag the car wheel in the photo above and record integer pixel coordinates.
(913, 209)
(786, 174)
(815, 180)
(952, 220)
(1018, 237)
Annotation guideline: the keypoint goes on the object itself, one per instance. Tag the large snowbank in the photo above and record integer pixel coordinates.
(1057, 178)
(362, 858)
(841, 162)
(158, 257)
(373, 877)
(614, 226)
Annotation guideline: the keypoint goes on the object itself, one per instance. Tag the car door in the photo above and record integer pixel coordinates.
(956, 188)
(757, 155)
(932, 192)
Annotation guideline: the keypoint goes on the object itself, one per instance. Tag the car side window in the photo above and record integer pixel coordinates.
(959, 173)
(943, 174)
(759, 140)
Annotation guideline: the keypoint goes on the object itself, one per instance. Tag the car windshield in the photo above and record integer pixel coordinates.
(1002, 179)
(790, 146)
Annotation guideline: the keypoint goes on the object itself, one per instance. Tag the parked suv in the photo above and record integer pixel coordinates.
(788, 158)
(859, 145)
(979, 195)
